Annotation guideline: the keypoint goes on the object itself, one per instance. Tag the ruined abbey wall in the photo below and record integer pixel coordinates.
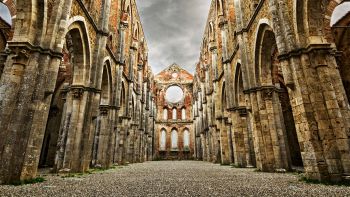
(75, 87)
(270, 88)
(174, 134)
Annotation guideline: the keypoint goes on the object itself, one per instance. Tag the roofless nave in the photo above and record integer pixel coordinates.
(270, 90)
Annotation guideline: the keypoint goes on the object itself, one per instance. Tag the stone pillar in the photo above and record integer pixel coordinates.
(230, 142)
(320, 121)
(130, 143)
(204, 147)
(105, 138)
(123, 131)
(24, 105)
(75, 116)
(259, 143)
(238, 140)
(224, 143)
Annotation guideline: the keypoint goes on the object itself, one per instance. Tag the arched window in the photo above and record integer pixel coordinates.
(340, 12)
(174, 114)
(220, 9)
(174, 139)
(165, 114)
(183, 113)
(340, 23)
(186, 139)
(162, 141)
(5, 13)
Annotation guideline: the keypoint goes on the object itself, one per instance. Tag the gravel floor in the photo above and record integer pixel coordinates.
(179, 178)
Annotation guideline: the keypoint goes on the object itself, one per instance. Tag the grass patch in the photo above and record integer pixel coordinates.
(91, 171)
(236, 166)
(28, 181)
(328, 183)
(73, 175)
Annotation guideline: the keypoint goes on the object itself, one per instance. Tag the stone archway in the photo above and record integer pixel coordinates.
(162, 140)
(73, 77)
(56, 130)
(341, 36)
(104, 132)
(278, 133)
(174, 140)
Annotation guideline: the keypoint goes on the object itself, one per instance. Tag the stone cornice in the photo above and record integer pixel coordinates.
(305, 50)
(83, 88)
(32, 48)
(182, 122)
(262, 88)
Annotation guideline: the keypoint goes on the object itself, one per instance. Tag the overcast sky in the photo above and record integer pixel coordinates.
(174, 30)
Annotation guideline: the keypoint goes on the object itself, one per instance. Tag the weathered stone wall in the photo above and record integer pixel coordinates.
(67, 95)
(275, 101)
(174, 76)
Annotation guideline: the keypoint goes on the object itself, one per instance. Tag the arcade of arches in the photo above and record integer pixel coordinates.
(271, 89)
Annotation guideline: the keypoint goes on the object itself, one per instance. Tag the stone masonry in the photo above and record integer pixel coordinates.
(75, 88)
(271, 87)
(270, 90)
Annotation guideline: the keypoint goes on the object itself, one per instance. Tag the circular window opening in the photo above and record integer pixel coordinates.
(174, 94)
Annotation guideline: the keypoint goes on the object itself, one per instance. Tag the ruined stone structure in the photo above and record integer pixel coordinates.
(75, 89)
(174, 134)
(271, 87)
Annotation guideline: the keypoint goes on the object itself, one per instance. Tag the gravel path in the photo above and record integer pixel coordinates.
(179, 178)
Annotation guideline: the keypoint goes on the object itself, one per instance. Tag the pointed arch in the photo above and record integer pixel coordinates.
(268, 74)
(7, 13)
(183, 113)
(165, 113)
(174, 139)
(223, 98)
(106, 85)
(78, 38)
(265, 47)
(122, 100)
(313, 19)
(186, 138)
(220, 7)
(211, 32)
(174, 113)
(238, 87)
(341, 37)
(162, 139)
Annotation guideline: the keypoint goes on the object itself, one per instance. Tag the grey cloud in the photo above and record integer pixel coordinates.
(174, 30)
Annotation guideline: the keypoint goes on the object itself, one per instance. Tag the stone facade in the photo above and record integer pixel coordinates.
(174, 134)
(75, 88)
(270, 90)
(271, 87)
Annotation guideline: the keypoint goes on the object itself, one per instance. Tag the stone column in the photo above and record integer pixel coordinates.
(225, 150)
(238, 139)
(204, 146)
(105, 138)
(24, 105)
(230, 142)
(124, 127)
